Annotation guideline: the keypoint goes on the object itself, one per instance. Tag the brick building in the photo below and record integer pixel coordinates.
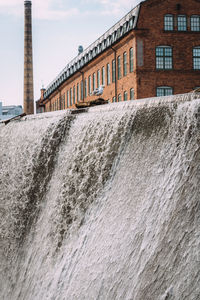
(154, 50)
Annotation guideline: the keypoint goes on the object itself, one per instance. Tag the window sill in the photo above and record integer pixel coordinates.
(177, 31)
(164, 69)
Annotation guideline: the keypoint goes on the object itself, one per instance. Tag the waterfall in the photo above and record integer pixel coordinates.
(103, 204)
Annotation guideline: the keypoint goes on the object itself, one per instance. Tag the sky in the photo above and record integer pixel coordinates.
(59, 27)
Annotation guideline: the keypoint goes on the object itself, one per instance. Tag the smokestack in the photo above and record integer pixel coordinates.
(28, 60)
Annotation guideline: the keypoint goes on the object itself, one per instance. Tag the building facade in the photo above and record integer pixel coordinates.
(7, 112)
(154, 50)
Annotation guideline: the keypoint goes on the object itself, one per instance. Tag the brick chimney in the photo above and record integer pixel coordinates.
(28, 60)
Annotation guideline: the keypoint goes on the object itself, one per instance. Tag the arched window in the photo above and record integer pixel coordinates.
(125, 96)
(164, 91)
(70, 96)
(74, 94)
(77, 92)
(85, 88)
(103, 75)
(196, 58)
(168, 22)
(118, 67)
(81, 89)
(182, 23)
(164, 57)
(67, 100)
(113, 71)
(94, 81)
(119, 98)
(195, 23)
(132, 96)
(89, 85)
(98, 78)
(124, 64)
(131, 60)
(108, 73)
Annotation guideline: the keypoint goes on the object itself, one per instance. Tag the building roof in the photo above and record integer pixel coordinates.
(110, 37)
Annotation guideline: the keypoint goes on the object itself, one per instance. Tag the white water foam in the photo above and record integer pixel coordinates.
(102, 205)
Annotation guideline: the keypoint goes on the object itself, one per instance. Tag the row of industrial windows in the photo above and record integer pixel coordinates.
(125, 96)
(160, 92)
(101, 77)
(164, 58)
(94, 81)
(105, 76)
(71, 98)
(182, 22)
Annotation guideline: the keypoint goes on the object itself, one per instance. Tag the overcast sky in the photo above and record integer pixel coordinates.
(59, 27)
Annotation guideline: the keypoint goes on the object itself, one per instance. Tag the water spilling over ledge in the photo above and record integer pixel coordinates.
(104, 204)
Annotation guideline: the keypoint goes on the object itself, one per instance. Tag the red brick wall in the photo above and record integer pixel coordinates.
(182, 78)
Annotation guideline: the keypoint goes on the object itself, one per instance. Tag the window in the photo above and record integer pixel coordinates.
(98, 78)
(64, 100)
(196, 58)
(103, 76)
(93, 81)
(61, 102)
(119, 98)
(182, 23)
(164, 91)
(113, 71)
(82, 90)
(108, 74)
(89, 85)
(68, 99)
(70, 96)
(85, 87)
(195, 23)
(74, 94)
(132, 95)
(113, 99)
(131, 59)
(119, 67)
(124, 64)
(168, 22)
(125, 96)
(77, 92)
(164, 57)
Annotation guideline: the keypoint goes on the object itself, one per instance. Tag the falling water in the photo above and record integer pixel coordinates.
(103, 204)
